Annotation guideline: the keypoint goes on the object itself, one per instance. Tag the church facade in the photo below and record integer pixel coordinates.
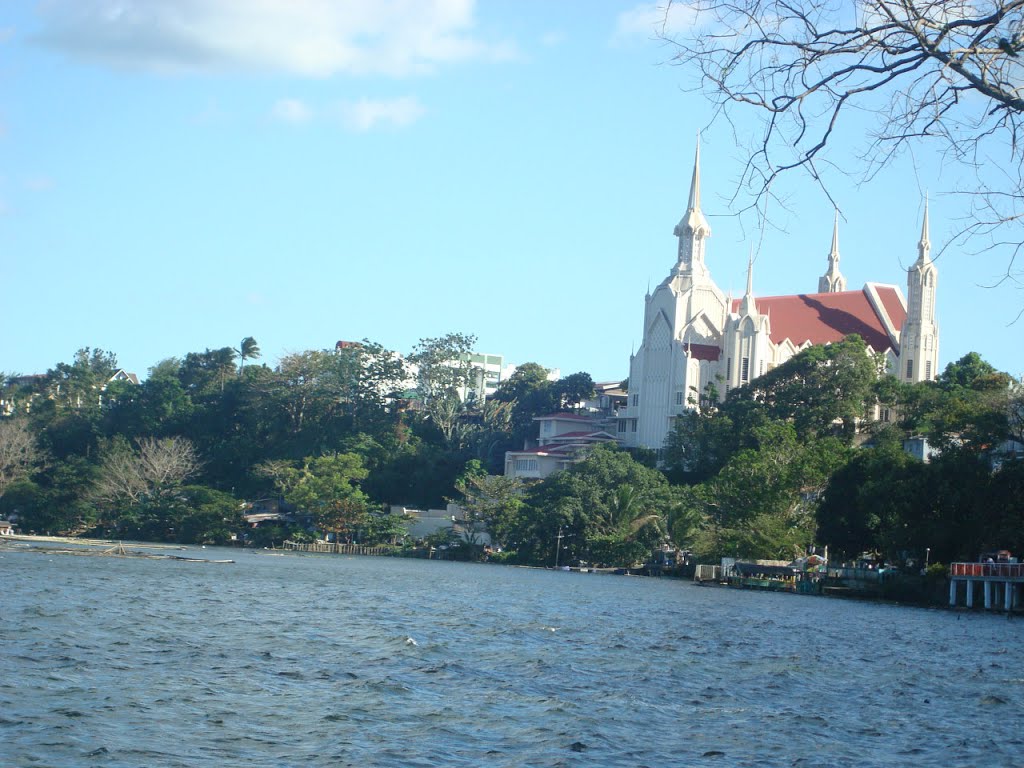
(695, 336)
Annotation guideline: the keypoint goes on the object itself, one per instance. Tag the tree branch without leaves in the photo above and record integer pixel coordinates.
(947, 71)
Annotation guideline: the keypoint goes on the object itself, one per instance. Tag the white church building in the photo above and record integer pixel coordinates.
(693, 335)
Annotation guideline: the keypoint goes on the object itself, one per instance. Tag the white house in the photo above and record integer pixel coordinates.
(564, 440)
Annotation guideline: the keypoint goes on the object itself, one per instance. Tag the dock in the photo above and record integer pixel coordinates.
(1000, 584)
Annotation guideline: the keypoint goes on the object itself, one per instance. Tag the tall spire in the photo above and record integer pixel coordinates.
(695, 181)
(924, 247)
(833, 281)
(693, 229)
(750, 272)
(748, 306)
(834, 254)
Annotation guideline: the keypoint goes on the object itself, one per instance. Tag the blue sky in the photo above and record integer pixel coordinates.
(179, 175)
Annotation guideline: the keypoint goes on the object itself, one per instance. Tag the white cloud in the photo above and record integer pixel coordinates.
(292, 111)
(367, 114)
(649, 20)
(313, 38)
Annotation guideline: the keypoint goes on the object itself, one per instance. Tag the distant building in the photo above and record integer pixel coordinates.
(564, 440)
(695, 336)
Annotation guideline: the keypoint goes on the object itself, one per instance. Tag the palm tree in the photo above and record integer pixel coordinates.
(247, 350)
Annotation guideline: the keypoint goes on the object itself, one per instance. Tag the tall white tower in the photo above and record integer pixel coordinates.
(919, 338)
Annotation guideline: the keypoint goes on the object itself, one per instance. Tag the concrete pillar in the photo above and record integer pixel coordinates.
(952, 592)
(988, 594)
(1008, 596)
(970, 592)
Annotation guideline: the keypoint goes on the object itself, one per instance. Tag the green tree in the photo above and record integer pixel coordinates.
(247, 349)
(494, 502)
(573, 389)
(583, 502)
(326, 487)
(818, 387)
(762, 502)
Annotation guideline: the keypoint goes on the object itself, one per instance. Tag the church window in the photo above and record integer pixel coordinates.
(745, 371)
(761, 369)
(910, 369)
(927, 370)
(728, 368)
(679, 398)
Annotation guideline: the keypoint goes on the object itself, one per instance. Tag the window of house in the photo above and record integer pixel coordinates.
(622, 425)
(679, 398)
(526, 465)
(636, 399)
(632, 425)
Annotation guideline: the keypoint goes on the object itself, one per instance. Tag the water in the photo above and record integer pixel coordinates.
(335, 661)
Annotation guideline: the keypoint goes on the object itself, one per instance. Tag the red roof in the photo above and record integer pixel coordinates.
(704, 351)
(893, 304)
(821, 318)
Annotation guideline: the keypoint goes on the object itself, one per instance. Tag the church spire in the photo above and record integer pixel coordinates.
(748, 306)
(833, 281)
(693, 229)
(919, 336)
(924, 247)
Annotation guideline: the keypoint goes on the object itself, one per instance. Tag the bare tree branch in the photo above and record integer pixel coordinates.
(949, 72)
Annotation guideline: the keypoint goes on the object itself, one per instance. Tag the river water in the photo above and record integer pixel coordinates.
(306, 660)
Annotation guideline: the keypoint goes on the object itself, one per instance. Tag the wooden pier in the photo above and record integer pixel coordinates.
(1000, 584)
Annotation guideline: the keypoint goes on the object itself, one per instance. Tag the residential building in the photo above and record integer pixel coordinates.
(564, 439)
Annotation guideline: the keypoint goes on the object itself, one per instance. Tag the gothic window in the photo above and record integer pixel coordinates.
(679, 398)
(745, 372)
(927, 370)
(910, 369)
(761, 369)
(728, 368)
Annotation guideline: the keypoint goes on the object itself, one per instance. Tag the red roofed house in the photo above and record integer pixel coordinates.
(564, 439)
(694, 336)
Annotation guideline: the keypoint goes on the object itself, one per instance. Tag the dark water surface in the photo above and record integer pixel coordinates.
(333, 661)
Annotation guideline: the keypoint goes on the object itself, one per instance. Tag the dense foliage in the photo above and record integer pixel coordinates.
(810, 454)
